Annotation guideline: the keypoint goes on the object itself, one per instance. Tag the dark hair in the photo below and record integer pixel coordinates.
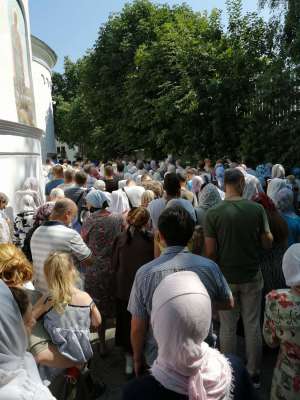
(181, 176)
(233, 176)
(172, 184)
(140, 165)
(120, 167)
(108, 170)
(21, 298)
(176, 226)
(80, 178)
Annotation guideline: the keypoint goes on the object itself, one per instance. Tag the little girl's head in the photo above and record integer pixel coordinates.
(25, 307)
(61, 277)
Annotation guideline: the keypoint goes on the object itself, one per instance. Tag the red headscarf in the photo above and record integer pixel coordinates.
(265, 201)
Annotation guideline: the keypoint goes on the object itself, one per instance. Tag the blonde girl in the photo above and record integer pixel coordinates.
(72, 311)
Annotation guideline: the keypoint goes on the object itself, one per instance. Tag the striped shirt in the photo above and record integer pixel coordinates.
(148, 277)
(50, 237)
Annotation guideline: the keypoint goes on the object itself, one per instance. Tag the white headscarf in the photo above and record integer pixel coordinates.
(180, 318)
(274, 186)
(19, 377)
(252, 187)
(30, 187)
(291, 265)
(278, 171)
(119, 202)
(134, 194)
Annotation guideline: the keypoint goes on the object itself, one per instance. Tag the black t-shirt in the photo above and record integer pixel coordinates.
(148, 388)
(112, 184)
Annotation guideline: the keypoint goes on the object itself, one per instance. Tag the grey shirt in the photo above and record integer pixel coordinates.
(148, 277)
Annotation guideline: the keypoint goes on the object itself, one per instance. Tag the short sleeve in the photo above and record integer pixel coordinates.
(209, 228)
(136, 304)
(265, 227)
(78, 248)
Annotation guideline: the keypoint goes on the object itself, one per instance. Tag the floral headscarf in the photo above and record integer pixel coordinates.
(209, 197)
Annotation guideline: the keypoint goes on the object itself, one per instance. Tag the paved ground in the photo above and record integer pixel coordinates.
(111, 370)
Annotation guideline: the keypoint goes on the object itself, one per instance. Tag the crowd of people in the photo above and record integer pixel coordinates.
(180, 259)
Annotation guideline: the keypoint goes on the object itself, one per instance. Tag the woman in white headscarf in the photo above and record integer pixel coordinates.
(119, 202)
(186, 367)
(274, 186)
(19, 377)
(282, 328)
(278, 171)
(31, 188)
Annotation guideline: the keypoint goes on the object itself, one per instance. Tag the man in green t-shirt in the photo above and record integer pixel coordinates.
(235, 232)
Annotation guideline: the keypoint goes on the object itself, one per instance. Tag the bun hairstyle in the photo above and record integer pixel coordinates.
(61, 276)
(137, 219)
(15, 269)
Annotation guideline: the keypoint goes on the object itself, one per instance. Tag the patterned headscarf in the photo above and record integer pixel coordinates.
(284, 200)
(209, 197)
(43, 213)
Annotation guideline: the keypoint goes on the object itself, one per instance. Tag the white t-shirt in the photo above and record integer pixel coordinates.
(50, 237)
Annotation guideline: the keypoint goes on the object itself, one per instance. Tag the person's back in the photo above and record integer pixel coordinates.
(235, 232)
(176, 226)
(237, 226)
(55, 235)
(58, 179)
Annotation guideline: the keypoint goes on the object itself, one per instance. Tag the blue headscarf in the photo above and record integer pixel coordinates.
(97, 198)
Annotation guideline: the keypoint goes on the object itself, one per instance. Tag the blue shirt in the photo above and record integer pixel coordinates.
(148, 277)
(52, 184)
(293, 222)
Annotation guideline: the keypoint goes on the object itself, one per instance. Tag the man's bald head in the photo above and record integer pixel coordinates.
(65, 210)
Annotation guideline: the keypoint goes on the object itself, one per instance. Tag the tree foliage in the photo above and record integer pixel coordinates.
(168, 79)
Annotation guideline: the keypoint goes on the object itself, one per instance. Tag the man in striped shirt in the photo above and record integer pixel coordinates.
(55, 235)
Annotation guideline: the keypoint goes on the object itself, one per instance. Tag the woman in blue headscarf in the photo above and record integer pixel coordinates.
(99, 231)
(284, 201)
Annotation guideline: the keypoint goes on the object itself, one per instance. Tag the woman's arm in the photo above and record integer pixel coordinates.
(269, 328)
(95, 316)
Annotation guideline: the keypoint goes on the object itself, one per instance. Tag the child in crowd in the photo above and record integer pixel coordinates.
(73, 311)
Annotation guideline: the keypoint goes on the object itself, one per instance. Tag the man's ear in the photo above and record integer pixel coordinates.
(161, 238)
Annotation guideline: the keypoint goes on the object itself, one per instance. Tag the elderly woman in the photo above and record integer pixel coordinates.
(271, 259)
(284, 202)
(274, 186)
(99, 231)
(132, 249)
(186, 367)
(5, 224)
(24, 219)
(208, 197)
(282, 328)
(20, 378)
(197, 183)
(56, 194)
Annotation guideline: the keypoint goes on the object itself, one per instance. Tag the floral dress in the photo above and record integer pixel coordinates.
(282, 327)
(99, 231)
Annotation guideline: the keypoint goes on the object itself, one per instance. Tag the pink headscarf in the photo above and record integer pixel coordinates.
(181, 318)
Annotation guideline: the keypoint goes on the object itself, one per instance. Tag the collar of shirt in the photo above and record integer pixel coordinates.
(53, 223)
(174, 249)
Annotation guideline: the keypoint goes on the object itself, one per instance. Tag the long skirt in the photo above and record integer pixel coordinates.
(123, 324)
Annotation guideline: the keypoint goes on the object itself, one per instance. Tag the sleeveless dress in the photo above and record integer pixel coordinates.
(70, 331)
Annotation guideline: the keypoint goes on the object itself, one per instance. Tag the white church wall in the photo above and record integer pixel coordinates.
(20, 147)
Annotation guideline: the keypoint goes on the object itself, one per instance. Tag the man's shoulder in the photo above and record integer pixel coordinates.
(156, 202)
